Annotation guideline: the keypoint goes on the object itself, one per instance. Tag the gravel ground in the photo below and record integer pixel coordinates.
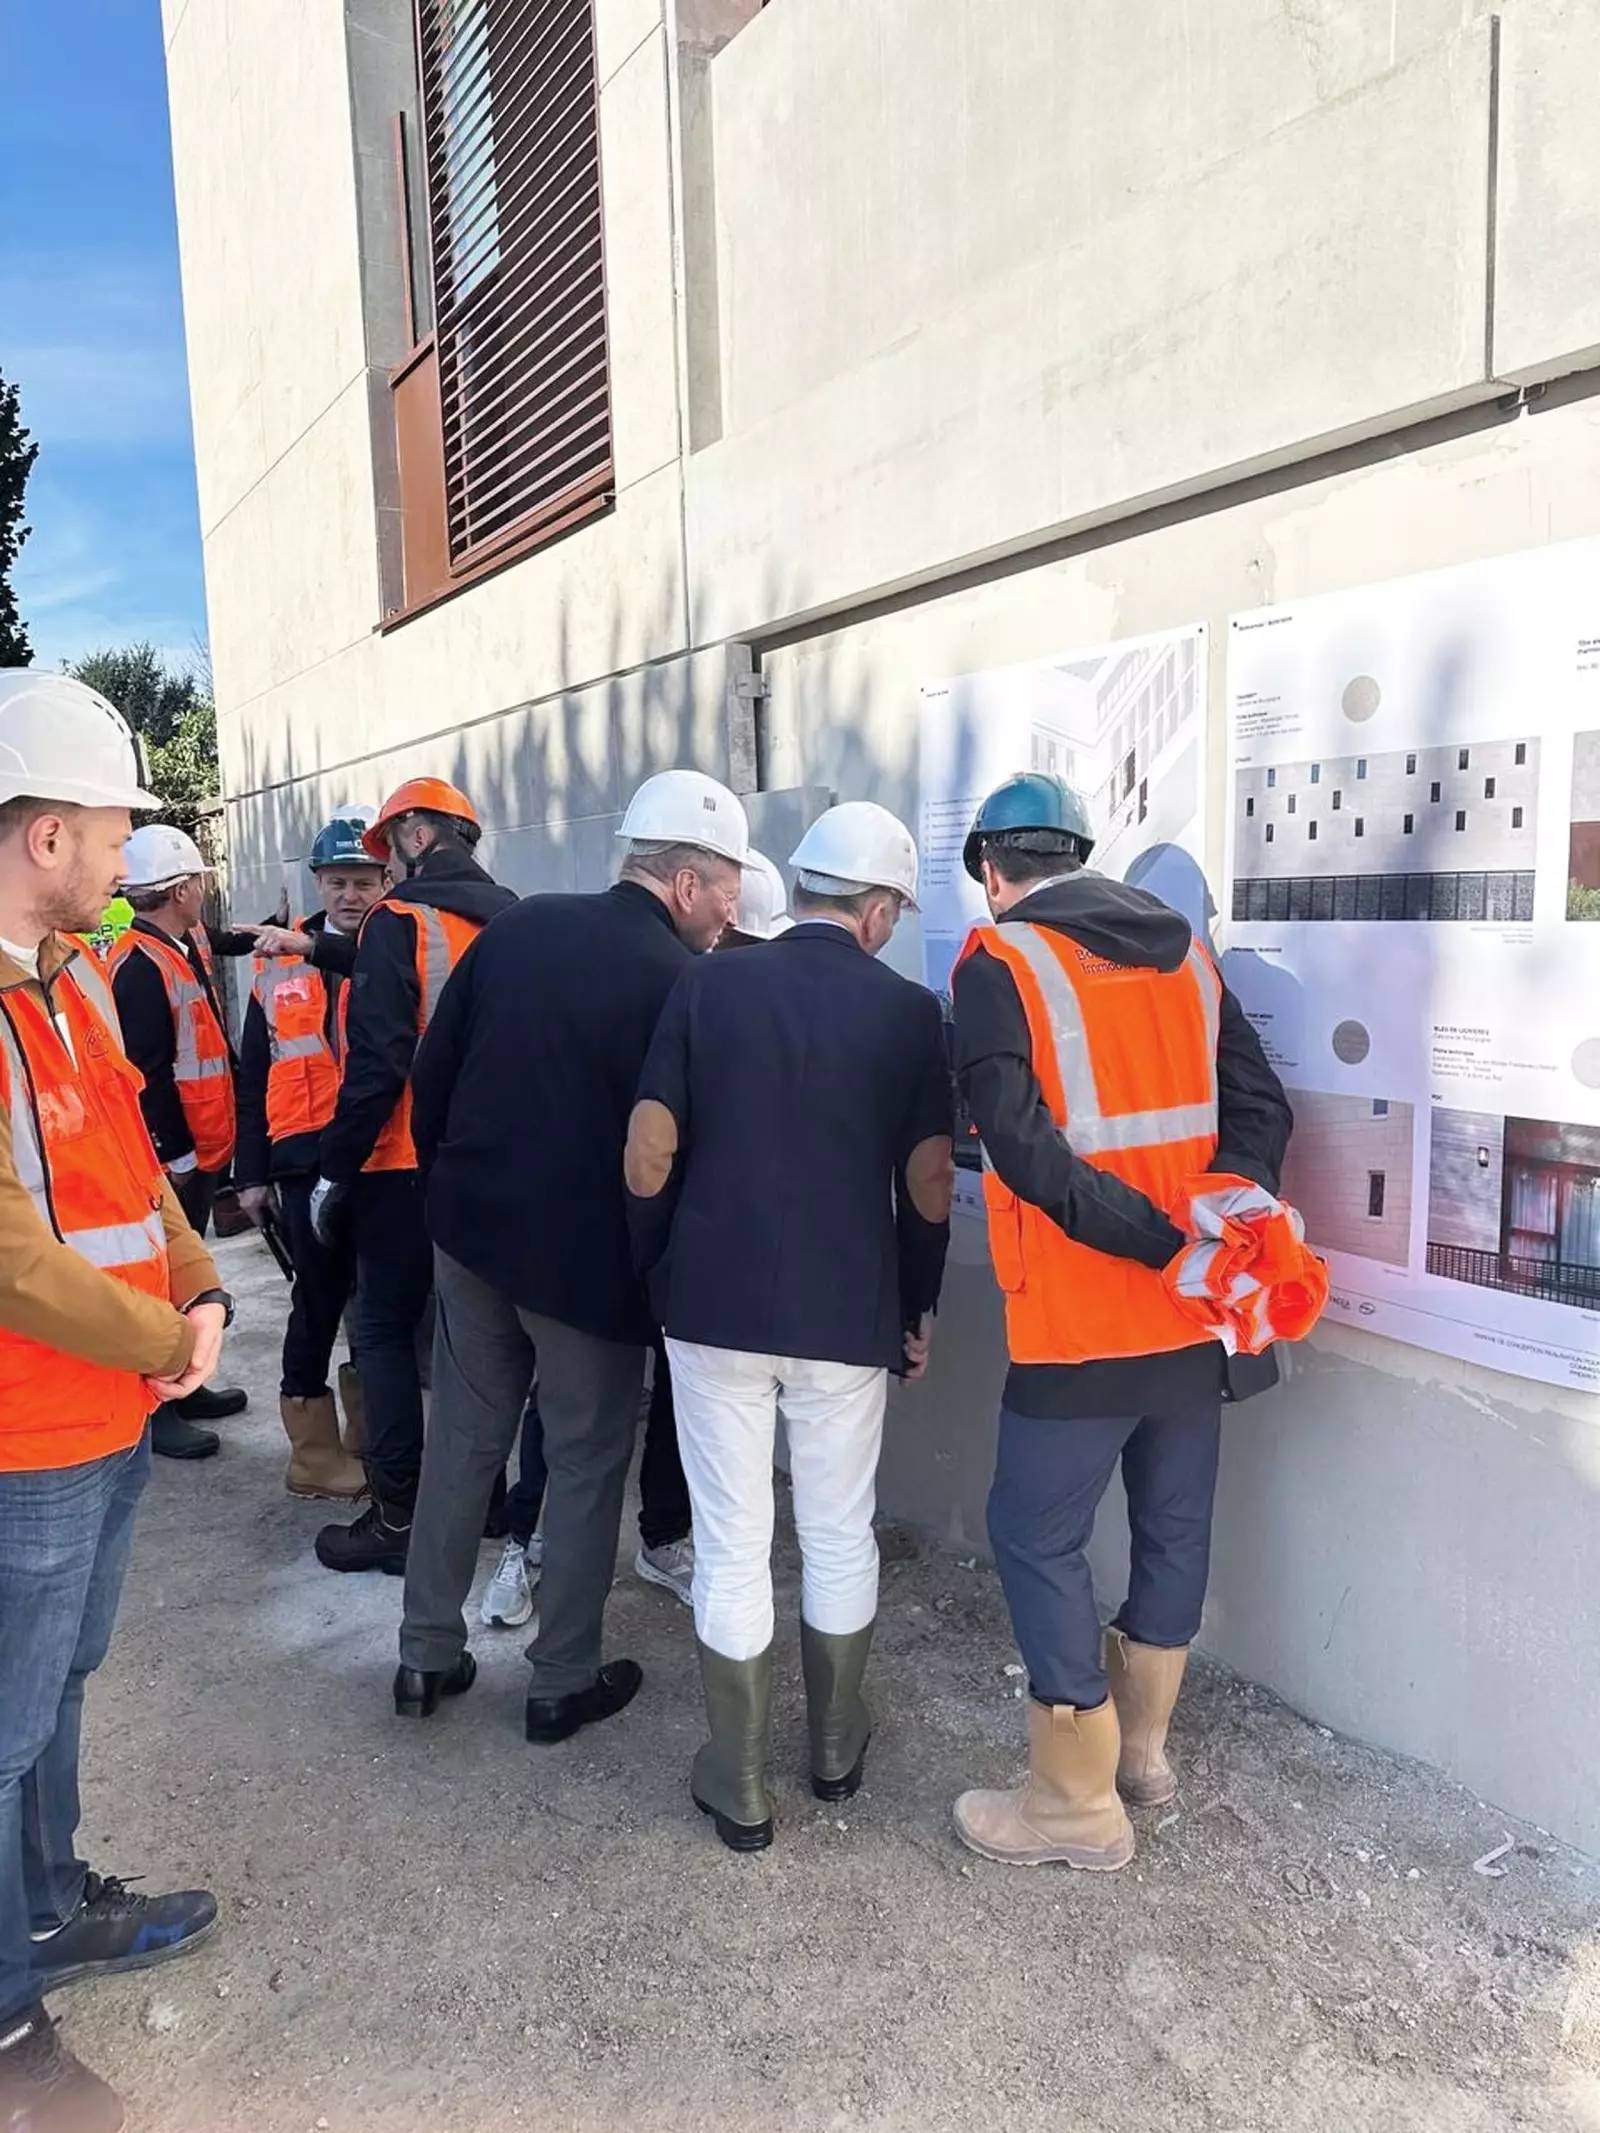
(437, 1927)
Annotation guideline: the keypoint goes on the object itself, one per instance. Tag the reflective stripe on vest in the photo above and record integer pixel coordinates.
(200, 1049)
(1125, 1060)
(442, 939)
(303, 1066)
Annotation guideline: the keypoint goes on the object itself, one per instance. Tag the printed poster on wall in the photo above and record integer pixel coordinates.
(1413, 906)
(1125, 723)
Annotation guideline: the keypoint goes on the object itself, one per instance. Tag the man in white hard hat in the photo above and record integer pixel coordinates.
(108, 1303)
(521, 1093)
(172, 1020)
(789, 1176)
(762, 913)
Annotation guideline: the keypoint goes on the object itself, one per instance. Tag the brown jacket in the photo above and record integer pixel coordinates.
(49, 1293)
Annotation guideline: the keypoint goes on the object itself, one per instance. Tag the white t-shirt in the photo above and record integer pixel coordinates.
(28, 958)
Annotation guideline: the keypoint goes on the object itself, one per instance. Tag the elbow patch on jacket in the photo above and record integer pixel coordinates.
(931, 1177)
(652, 1144)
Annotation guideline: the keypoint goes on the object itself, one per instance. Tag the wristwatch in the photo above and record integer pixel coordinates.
(213, 1296)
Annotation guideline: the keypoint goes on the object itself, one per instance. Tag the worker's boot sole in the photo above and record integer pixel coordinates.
(737, 1836)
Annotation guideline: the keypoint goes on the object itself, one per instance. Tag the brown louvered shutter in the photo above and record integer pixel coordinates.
(510, 117)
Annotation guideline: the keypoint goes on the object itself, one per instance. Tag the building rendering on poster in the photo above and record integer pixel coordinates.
(1413, 863)
(1125, 723)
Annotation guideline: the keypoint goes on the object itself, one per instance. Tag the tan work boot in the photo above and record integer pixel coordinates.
(354, 1402)
(1067, 1812)
(318, 1464)
(1145, 1679)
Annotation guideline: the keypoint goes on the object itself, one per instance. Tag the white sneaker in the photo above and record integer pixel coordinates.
(670, 1566)
(508, 1597)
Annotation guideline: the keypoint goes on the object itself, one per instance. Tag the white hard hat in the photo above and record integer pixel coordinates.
(157, 854)
(762, 897)
(858, 845)
(61, 740)
(687, 807)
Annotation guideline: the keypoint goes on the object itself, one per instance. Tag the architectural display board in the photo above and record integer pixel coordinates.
(1413, 896)
(1125, 723)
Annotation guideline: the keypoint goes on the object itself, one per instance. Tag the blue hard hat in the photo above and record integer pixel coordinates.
(1032, 801)
(338, 844)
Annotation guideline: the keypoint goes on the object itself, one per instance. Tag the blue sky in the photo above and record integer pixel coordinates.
(91, 329)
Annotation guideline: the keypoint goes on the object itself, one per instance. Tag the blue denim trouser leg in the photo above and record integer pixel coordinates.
(64, 1541)
(1050, 1474)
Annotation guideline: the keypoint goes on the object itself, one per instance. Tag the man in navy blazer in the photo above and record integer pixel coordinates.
(789, 1176)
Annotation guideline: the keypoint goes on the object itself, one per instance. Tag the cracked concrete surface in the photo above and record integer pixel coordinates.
(435, 1926)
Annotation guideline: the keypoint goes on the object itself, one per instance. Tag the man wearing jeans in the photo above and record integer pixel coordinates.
(108, 1305)
(521, 1093)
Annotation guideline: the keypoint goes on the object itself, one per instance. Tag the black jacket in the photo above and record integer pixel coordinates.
(385, 1007)
(152, 1042)
(994, 1063)
(521, 1095)
(258, 1158)
(801, 1075)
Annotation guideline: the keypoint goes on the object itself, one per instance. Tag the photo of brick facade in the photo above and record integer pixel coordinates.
(1583, 847)
(1425, 833)
(1514, 1204)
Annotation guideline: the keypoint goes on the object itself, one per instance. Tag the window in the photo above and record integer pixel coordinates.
(1361, 766)
(1250, 805)
(1269, 833)
(1464, 759)
(1311, 832)
(1410, 824)
(1522, 753)
(1376, 1181)
(1483, 1158)
(1380, 1107)
(1361, 825)
(1434, 790)
(513, 388)
(1291, 803)
(1488, 788)
(1411, 766)
(1316, 773)
(1130, 773)
(1461, 818)
(1338, 801)
(1516, 818)
(1144, 798)
(1272, 779)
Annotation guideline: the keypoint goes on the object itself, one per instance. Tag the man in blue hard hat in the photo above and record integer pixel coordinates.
(1104, 1065)
(290, 1062)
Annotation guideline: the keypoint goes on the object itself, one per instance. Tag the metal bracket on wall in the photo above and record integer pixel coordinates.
(744, 693)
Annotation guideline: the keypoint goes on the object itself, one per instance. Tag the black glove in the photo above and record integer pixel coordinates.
(330, 1213)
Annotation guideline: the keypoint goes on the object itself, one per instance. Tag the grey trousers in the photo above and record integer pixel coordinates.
(589, 1397)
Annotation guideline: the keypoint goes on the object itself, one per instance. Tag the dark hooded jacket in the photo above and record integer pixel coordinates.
(385, 1008)
(999, 1090)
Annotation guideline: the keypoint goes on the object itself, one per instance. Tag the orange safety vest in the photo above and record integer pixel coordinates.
(303, 1070)
(202, 948)
(201, 1066)
(80, 1148)
(1126, 1060)
(442, 939)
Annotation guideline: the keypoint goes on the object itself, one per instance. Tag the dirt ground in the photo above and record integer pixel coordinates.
(437, 1927)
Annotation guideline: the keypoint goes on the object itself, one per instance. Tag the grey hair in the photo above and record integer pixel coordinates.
(655, 861)
(846, 899)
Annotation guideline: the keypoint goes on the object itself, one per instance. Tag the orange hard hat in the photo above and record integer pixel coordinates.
(430, 795)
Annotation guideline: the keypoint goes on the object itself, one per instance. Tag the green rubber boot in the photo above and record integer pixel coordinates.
(841, 1724)
(729, 1779)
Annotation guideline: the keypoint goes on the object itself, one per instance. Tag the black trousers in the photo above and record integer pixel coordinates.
(196, 1189)
(664, 1510)
(394, 1278)
(323, 1281)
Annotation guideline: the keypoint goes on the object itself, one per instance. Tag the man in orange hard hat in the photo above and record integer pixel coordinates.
(409, 943)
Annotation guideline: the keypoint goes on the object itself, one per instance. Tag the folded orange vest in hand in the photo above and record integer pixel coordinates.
(1249, 1277)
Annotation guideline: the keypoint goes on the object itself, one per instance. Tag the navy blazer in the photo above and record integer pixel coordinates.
(801, 1074)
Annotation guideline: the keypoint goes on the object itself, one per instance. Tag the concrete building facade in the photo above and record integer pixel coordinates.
(1349, 1172)
(941, 335)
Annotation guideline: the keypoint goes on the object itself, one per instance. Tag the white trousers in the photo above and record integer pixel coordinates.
(727, 1406)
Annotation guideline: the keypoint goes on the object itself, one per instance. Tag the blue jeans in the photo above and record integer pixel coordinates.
(64, 1541)
(1049, 1477)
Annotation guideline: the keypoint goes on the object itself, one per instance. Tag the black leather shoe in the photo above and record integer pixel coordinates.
(118, 1928)
(737, 1836)
(369, 1542)
(171, 1437)
(848, 1786)
(43, 2089)
(417, 1691)
(552, 1718)
(213, 1403)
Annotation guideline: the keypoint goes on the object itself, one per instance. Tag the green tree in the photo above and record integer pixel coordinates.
(173, 715)
(17, 454)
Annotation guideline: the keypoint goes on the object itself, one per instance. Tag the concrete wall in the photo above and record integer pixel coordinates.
(1464, 1191)
(948, 333)
(1340, 1143)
